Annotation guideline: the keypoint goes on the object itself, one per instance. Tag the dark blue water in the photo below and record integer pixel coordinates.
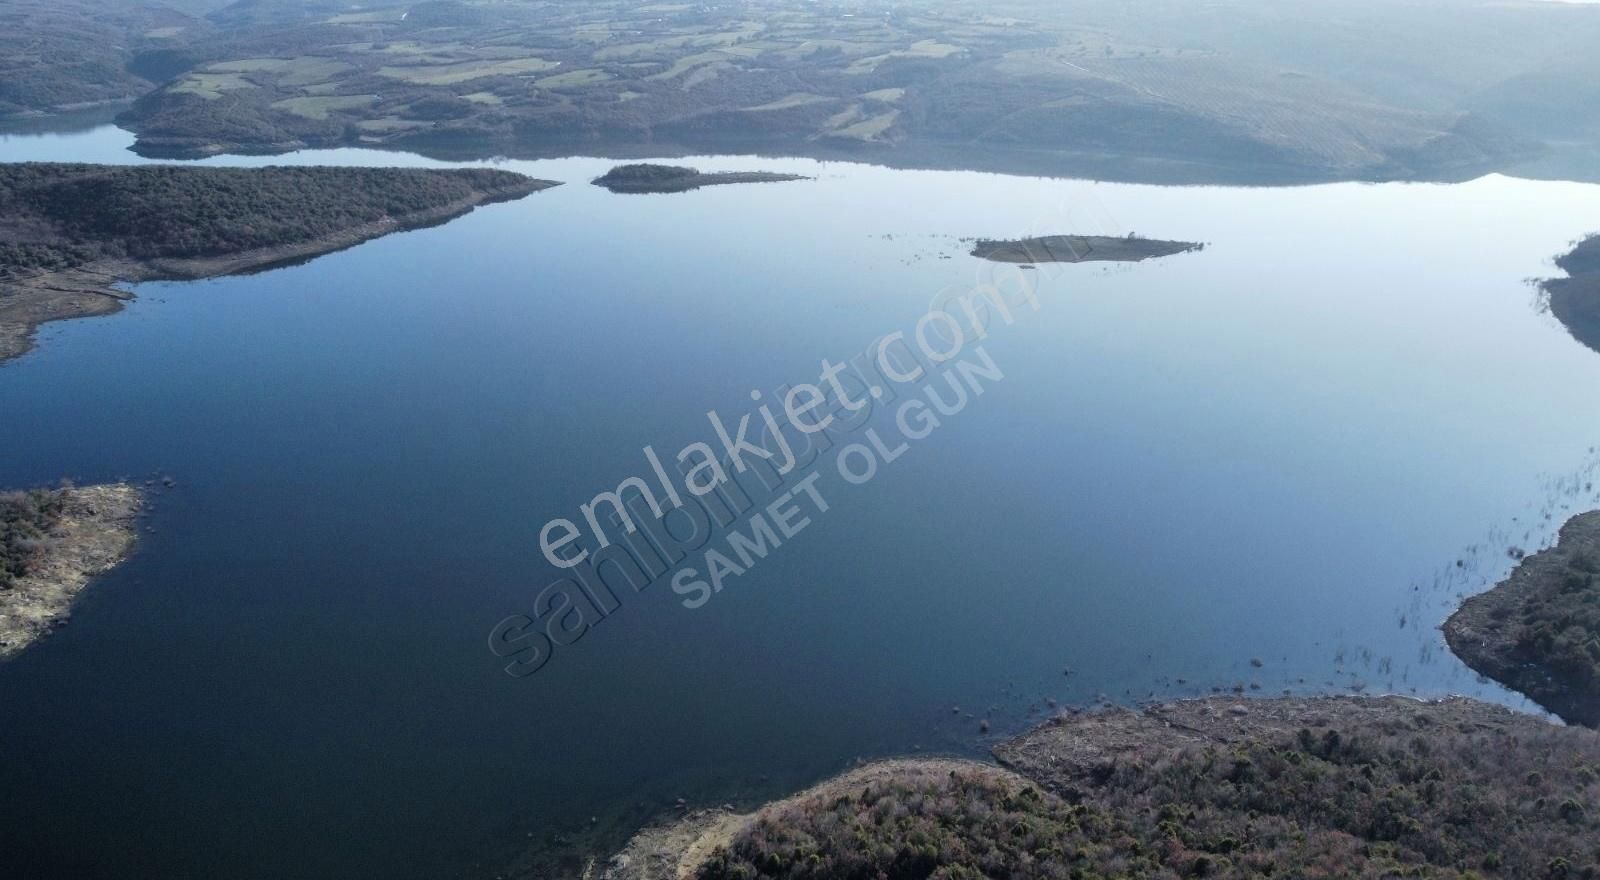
(1275, 449)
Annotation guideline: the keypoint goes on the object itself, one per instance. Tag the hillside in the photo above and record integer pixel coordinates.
(52, 542)
(1157, 90)
(1322, 787)
(1538, 632)
(69, 232)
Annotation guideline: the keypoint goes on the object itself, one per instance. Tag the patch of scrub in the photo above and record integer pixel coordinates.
(798, 99)
(706, 74)
(390, 124)
(919, 49)
(212, 85)
(885, 96)
(82, 532)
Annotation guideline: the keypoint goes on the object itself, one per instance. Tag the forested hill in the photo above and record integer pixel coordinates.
(57, 216)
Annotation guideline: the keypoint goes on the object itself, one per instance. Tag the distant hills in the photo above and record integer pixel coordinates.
(1166, 90)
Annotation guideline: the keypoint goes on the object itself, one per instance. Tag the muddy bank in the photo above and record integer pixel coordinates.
(93, 533)
(679, 847)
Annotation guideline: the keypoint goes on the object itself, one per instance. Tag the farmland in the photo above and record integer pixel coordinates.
(1015, 87)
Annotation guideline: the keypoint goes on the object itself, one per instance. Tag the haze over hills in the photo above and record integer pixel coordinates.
(1248, 90)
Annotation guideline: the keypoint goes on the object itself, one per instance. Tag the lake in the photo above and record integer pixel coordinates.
(1297, 447)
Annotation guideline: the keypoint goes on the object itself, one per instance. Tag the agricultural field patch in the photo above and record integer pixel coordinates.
(450, 74)
(573, 79)
(798, 99)
(212, 85)
(314, 107)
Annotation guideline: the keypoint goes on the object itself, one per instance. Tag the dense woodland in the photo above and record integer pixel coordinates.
(26, 520)
(55, 216)
(1411, 792)
(1558, 626)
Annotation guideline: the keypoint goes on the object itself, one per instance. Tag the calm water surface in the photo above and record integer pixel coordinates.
(1278, 449)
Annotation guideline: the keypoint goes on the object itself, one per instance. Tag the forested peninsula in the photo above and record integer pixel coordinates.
(70, 232)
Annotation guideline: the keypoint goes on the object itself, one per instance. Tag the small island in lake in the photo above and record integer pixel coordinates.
(52, 542)
(1291, 787)
(1080, 249)
(1575, 300)
(70, 232)
(1538, 632)
(646, 178)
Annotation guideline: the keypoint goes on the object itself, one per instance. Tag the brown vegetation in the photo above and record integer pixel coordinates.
(52, 541)
(1329, 787)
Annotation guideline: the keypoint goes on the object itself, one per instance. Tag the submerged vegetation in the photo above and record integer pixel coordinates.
(1539, 631)
(52, 542)
(1331, 787)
